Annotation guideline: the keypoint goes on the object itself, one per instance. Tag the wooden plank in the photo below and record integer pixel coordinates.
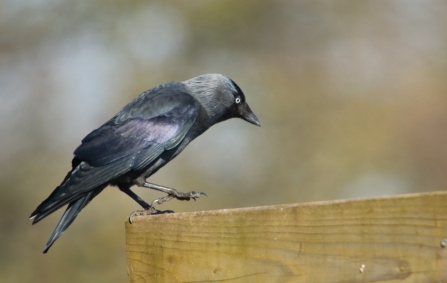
(390, 239)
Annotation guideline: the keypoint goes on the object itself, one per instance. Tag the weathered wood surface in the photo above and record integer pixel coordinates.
(390, 239)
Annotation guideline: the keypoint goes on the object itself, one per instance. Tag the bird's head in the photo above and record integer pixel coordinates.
(221, 97)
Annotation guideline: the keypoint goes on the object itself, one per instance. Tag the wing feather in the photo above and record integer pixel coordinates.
(143, 139)
(154, 122)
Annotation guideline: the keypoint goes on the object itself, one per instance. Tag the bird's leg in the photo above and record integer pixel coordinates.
(148, 209)
(135, 197)
(172, 193)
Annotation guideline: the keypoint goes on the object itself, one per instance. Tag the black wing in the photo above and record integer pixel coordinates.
(156, 121)
(142, 130)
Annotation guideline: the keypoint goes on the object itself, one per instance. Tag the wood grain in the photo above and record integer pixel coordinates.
(390, 239)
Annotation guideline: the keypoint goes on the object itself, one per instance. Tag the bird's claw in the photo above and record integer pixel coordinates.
(150, 211)
(136, 213)
(197, 195)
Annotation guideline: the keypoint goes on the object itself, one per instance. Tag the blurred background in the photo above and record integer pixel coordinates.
(352, 97)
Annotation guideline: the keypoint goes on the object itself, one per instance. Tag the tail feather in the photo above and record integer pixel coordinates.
(79, 182)
(41, 214)
(70, 214)
(78, 188)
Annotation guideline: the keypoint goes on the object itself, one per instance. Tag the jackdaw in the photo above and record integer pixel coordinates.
(140, 139)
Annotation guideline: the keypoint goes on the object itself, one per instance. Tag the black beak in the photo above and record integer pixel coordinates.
(248, 115)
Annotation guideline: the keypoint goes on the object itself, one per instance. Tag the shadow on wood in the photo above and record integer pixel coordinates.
(389, 239)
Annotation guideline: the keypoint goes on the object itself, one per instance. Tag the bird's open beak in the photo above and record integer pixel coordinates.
(248, 115)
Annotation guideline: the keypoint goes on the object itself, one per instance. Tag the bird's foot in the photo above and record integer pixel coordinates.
(184, 196)
(178, 195)
(150, 211)
(172, 193)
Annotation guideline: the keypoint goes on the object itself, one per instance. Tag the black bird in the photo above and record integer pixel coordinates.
(140, 139)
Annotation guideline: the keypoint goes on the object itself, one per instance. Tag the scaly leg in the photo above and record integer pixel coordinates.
(171, 193)
(135, 197)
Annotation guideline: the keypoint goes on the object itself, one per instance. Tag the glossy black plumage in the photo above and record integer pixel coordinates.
(140, 139)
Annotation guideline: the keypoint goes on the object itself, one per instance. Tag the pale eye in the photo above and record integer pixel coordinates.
(238, 100)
